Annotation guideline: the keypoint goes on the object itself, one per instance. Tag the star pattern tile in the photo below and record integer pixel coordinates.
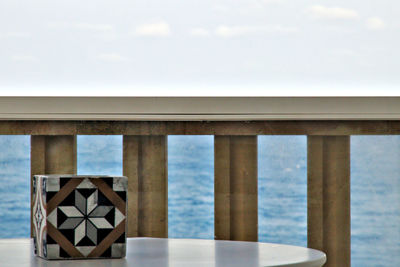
(85, 217)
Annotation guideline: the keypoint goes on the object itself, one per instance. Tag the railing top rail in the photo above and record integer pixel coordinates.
(199, 108)
(326, 128)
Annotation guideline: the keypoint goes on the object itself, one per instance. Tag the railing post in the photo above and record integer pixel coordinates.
(52, 155)
(145, 165)
(236, 211)
(329, 197)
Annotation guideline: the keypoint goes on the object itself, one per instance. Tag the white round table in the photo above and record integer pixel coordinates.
(166, 252)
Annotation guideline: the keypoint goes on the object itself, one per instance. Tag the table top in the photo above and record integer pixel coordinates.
(168, 252)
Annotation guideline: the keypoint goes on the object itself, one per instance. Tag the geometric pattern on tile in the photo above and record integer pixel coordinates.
(39, 215)
(80, 216)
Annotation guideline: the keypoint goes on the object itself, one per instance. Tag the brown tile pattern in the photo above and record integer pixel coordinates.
(79, 217)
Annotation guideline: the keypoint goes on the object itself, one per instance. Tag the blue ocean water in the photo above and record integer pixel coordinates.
(191, 186)
(99, 154)
(282, 189)
(14, 186)
(375, 188)
(375, 201)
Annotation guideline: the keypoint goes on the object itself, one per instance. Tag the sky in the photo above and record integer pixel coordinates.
(193, 47)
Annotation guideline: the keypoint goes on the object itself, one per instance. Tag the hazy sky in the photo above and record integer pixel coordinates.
(64, 46)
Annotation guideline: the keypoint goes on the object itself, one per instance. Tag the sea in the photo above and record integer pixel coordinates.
(282, 182)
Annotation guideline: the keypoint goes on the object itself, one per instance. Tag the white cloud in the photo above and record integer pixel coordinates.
(93, 27)
(18, 35)
(23, 58)
(160, 29)
(272, 1)
(322, 12)
(111, 57)
(199, 32)
(233, 31)
(345, 52)
(375, 23)
(58, 25)
(108, 36)
(245, 7)
(338, 29)
(221, 8)
(81, 26)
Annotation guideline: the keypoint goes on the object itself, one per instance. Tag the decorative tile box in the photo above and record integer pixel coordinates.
(77, 217)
